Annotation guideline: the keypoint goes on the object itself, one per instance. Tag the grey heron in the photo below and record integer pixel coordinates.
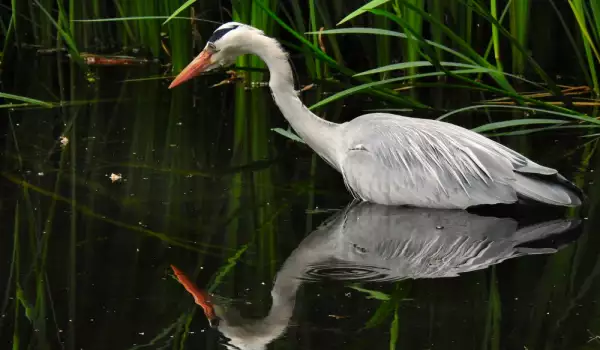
(375, 242)
(391, 159)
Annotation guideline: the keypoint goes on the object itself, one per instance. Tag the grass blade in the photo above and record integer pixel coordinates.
(179, 10)
(376, 31)
(329, 60)
(516, 122)
(65, 35)
(517, 45)
(394, 330)
(287, 133)
(372, 294)
(142, 18)
(26, 99)
(576, 116)
(500, 79)
(406, 65)
(365, 8)
(355, 89)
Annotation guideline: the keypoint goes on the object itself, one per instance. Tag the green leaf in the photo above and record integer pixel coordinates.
(575, 115)
(477, 7)
(225, 269)
(372, 294)
(290, 135)
(383, 312)
(352, 90)
(329, 60)
(26, 99)
(407, 65)
(516, 122)
(369, 6)
(394, 330)
(29, 309)
(377, 31)
(413, 64)
(66, 36)
(500, 79)
(545, 128)
(179, 10)
(137, 18)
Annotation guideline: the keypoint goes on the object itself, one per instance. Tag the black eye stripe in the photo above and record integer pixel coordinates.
(218, 34)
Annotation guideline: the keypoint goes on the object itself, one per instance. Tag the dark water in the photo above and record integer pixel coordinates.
(264, 226)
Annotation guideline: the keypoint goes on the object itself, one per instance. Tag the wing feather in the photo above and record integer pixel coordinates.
(400, 161)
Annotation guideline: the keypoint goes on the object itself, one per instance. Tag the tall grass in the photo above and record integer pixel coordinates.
(517, 38)
(587, 15)
(193, 159)
(413, 16)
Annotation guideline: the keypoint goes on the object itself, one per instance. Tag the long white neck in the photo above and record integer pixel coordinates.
(322, 136)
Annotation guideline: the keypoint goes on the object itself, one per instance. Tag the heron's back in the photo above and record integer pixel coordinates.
(396, 160)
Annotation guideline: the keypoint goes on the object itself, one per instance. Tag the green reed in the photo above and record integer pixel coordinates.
(414, 27)
(491, 338)
(463, 52)
(250, 199)
(587, 15)
(519, 20)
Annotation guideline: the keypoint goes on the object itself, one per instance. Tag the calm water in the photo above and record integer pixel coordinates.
(199, 181)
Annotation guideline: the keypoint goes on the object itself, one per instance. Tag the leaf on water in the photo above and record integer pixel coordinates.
(115, 177)
(372, 294)
(179, 10)
(64, 141)
(25, 99)
(369, 6)
(290, 135)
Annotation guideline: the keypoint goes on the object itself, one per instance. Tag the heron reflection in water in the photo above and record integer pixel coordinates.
(371, 242)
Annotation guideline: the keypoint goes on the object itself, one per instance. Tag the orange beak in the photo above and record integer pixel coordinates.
(201, 297)
(197, 66)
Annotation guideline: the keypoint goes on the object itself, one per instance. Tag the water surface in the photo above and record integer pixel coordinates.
(100, 198)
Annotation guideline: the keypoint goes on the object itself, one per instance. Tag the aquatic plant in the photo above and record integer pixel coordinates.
(199, 172)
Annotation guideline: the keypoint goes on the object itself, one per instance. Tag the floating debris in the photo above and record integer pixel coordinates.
(306, 88)
(321, 42)
(115, 177)
(104, 60)
(233, 77)
(337, 317)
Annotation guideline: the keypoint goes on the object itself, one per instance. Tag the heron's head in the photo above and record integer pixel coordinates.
(225, 44)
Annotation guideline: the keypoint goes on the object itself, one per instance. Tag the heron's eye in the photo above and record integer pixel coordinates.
(212, 47)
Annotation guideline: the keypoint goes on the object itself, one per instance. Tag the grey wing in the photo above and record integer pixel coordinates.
(397, 160)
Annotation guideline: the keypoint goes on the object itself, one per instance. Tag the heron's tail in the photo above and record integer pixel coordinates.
(549, 189)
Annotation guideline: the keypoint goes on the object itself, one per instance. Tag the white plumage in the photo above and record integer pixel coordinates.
(390, 159)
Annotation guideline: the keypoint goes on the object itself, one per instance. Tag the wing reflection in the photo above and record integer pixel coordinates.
(381, 243)
(374, 242)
